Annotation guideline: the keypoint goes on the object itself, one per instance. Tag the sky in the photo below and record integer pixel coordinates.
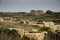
(28, 5)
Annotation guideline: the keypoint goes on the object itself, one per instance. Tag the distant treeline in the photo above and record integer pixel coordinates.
(48, 15)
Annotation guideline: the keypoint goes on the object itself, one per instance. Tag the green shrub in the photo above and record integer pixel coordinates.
(43, 28)
(7, 34)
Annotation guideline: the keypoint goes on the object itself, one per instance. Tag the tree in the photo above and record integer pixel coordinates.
(49, 12)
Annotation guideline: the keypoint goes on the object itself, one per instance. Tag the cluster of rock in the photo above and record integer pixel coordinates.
(35, 36)
(31, 23)
(49, 35)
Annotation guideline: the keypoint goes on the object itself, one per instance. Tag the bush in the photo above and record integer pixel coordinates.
(7, 34)
(43, 28)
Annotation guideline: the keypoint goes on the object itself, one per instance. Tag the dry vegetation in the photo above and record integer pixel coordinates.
(22, 20)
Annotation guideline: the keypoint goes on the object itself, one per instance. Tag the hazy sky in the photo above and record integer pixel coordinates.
(27, 5)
